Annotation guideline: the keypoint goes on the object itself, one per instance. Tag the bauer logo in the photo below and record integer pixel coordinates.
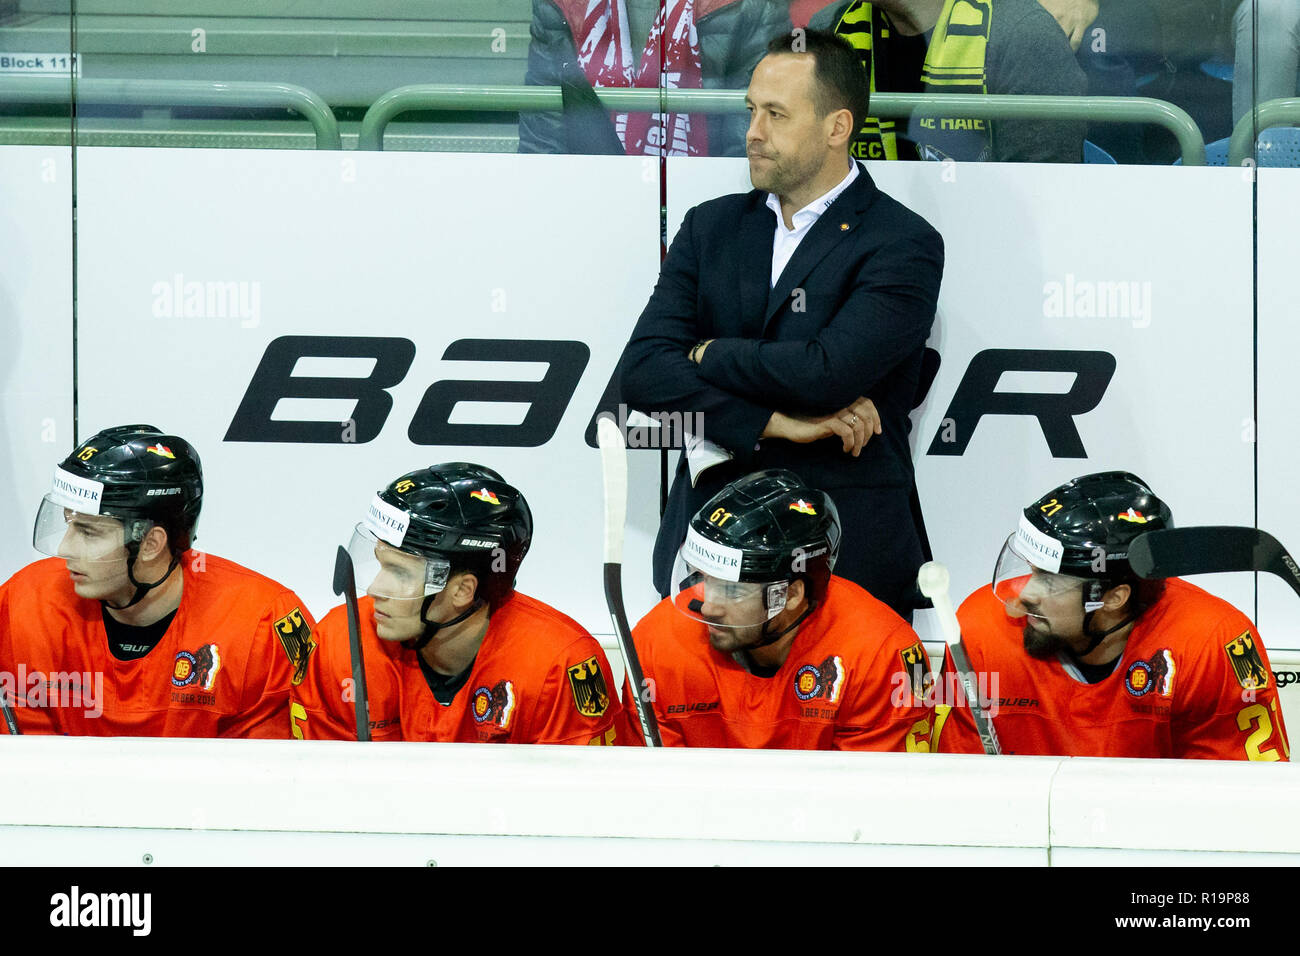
(255, 420)
(388, 523)
(1038, 549)
(79, 494)
(77, 909)
(712, 558)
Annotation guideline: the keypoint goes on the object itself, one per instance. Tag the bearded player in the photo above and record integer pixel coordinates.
(126, 631)
(452, 651)
(760, 645)
(1092, 660)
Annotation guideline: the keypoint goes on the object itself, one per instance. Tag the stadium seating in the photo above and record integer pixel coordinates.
(1278, 146)
(346, 52)
(1092, 153)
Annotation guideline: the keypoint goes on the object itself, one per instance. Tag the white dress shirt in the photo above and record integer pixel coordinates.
(786, 241)
(702, 454)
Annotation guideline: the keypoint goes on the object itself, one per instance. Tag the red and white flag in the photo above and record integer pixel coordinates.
(604, 53)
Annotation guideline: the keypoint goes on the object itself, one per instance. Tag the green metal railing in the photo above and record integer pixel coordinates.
(1281, 112)
(220, 94)
(1105, 109)
(1095, 109)
(191, 93)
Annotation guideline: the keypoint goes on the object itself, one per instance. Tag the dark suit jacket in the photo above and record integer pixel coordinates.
(848, 317)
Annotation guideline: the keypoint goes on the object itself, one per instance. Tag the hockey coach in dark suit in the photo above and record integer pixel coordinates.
(790, 322)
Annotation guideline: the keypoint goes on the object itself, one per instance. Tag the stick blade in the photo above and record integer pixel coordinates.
(342, 569)
(1209, 549)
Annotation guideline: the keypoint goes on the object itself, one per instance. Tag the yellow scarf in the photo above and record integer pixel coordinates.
(954, 63)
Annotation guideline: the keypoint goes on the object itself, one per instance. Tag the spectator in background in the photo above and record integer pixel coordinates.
(957, 46)
(579, 44)
(1266, 71)
(1074, 16)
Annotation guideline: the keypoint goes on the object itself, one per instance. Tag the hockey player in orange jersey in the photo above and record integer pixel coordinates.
(128, 632)
(1078, 656)
(759, 645)
(452, 651)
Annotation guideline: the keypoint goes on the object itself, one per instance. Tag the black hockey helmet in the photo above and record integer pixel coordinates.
(1082, 530)
(130, 472)
(460, 517)
(1084, 527)
(764, 529)
(135, 474)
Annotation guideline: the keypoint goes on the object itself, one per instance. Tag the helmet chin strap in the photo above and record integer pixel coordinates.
(132, 552)
(433, 627)
(1095, 637)
(773, 638)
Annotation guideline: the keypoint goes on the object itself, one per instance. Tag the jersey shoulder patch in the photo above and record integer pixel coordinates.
(590, 693)
(1247, 666)
(294, 634)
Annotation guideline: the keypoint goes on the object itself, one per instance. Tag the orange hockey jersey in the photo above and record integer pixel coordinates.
(1193, 681)
(539, 678)
(854, 680)
(222, 669)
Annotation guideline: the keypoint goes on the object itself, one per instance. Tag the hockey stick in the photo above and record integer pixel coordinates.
(1174, 552)
(11, 719)
(613, 464)
(932, 579)
(345, 583)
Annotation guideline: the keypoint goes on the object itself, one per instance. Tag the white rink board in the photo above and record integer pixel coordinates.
(1279, 425)
(416, 246)
(1179, 405)
(35, 336)
(426, 247)
(323, 803)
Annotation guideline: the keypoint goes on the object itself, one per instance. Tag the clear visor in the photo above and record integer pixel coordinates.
(720, 603)
(1021, 587)
(61, 532)
(384, 571)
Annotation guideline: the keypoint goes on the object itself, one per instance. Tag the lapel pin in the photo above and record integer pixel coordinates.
(844, 227)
